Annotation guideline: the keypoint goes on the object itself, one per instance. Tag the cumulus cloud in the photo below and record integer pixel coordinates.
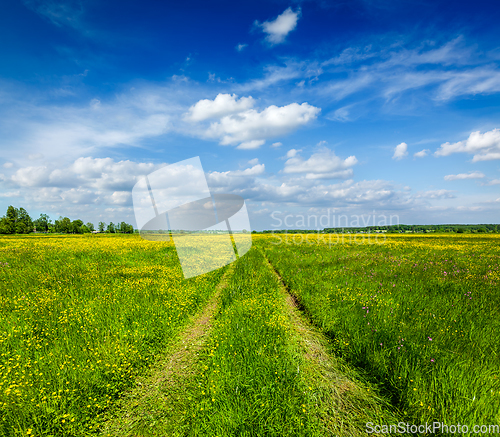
(484, 147)
(241, 47)
(252, 128)
(400, 151)
(421, 154)
(321, 165)
(279, 28)
(278, 144)
(98, 173)
(470, 175)
(222, 105)
(8, 165)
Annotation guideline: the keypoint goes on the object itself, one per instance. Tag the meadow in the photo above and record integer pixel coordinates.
(407, 326)
(418, 314)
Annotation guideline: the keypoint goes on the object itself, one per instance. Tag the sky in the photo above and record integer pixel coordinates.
(307, 109)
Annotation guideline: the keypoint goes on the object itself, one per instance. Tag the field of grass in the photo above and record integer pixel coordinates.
(404, 330)
(81, 316)
(419, 314)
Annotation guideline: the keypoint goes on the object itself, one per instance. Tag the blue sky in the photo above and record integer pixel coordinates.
(360, 107)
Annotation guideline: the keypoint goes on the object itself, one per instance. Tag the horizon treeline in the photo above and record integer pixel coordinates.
(18, 221)
(456, 228)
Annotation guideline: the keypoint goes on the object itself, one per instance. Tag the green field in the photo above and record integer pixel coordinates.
(305, 336)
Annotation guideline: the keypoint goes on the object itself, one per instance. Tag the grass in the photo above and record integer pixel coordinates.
(253, 377)
(417, 314)
(81, 318)
(307, 338)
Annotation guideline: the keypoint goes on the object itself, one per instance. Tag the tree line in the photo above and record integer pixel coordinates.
(394, 229)
(18, 221)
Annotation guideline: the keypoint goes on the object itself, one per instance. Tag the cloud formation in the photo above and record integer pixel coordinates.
(421, 154)
(400, 151)
(321, 165)
(470, 175)
(279, 28)
(252, 128)
(222, 105)
(484, 147)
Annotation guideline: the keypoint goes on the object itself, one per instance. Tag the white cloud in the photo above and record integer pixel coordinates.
(421, 154)
(278, 144)
(400, 151)
(278, 29)
(249, 145)
(10, 194)
(35, 156)
(436, 194)
(484, 147)
(222, 105)
(97, 173)
(494, 182)
(254, 161)
(470, 175)
(321, 165)
(8, 165)
(251, 128)
(240, 47)
(456, 71)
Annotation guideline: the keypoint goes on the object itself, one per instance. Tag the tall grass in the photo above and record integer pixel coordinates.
(253, 377)
(418, 314)
(81, 317)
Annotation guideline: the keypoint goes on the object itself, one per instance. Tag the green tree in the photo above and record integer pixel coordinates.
(21, 228)
(90, 226)
(111, 228)
(24, 218)
(8, 222)
(63, 225)
(101, 226)
(76, 227)
(42, 223)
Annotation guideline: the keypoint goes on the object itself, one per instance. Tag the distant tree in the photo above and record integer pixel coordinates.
(21, 228)
(85, 230)
(111, 228)
(76, 227)
(24, 217)
(8, 222)
(16, 221)
(63, 225)
(90, 226)
(101, 226)
(42, 223)
(125, 228)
